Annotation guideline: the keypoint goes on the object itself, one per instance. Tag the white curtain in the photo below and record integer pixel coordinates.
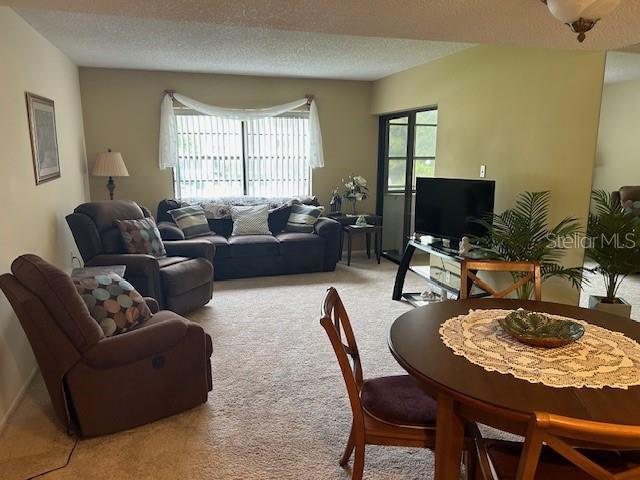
(169, 131)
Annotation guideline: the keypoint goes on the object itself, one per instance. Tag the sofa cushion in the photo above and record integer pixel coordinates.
(297, 238)
(167, 261)
(221, 243)
(113, 302)
(191, 221)
(141, 236)
(253, 246)
(57, 292)
(250, 220)
(302, 218)
(182, 277)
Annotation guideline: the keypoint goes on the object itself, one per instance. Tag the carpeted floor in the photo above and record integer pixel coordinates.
(278, 409)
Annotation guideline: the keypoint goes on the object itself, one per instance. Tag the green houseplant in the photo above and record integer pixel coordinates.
(523, 233)
(613, 235)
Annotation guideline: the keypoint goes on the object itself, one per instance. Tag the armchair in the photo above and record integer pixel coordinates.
(182, 281)
(103, 385)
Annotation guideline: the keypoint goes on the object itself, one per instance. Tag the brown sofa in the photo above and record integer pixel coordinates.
(102, 385)
(182, 281)
(258, 255)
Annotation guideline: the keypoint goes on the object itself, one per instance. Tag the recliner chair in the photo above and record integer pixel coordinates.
(99, 384)
(182, 281)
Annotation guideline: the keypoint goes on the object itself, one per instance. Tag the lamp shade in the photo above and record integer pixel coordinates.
(569, 11)
(110, 164)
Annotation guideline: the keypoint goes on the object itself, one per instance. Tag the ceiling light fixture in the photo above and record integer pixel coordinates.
(581, 15)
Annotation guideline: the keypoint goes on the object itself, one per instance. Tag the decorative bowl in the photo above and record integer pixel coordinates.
(540, 330)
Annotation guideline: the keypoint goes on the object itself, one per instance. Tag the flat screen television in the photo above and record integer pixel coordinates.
(445, 207)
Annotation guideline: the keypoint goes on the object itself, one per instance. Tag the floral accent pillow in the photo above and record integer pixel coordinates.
(141, 236)
(113, 303)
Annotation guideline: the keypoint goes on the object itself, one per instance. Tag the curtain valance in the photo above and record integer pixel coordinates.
(169, 130)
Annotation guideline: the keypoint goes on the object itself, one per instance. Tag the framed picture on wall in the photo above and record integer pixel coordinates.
(44, 140)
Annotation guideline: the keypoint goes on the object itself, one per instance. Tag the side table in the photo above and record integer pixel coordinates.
(352, 230)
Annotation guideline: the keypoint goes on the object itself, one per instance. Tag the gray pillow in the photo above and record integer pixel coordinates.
(252, 220)
(191, 220)
(303, 218)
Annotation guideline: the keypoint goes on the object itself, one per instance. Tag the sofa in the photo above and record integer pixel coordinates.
(182, 281)
(259, 255)
(97, 384)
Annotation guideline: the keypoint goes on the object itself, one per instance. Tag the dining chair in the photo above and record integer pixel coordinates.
(470, 269)
(549, 451)
(391, 410)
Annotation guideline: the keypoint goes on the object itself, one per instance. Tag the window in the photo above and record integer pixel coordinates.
(222, 157)
(410, 136)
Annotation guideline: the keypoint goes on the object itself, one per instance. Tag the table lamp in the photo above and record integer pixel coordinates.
(110, 164)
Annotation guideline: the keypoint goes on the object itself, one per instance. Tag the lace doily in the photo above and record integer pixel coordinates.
(601, 358)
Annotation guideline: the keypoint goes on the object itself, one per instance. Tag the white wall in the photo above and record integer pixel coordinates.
(33, 216)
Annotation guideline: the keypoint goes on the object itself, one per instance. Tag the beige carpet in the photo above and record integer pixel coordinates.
(278, 409)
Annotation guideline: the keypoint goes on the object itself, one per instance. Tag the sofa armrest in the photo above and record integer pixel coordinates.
(170, 231)
(138, 344)
(329, 229)
(191, 248)
(142, 271)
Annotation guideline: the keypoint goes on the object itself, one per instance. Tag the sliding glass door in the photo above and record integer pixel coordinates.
(407, 149)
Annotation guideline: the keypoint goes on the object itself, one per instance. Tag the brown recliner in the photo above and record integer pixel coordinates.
(99, 384)
(182, 281)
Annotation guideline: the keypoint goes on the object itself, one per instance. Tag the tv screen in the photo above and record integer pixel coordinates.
(445, 207)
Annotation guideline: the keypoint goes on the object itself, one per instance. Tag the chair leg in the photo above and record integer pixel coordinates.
(349, 450)
(358, 462)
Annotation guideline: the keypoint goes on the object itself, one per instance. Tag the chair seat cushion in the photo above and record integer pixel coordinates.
(167, 261)
(184, 276)
(254, 246)
(398, 400)
(505, 456)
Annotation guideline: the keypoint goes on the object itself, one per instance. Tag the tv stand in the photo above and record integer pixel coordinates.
(444, 282)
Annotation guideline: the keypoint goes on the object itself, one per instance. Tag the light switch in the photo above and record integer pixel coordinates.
(483, 171)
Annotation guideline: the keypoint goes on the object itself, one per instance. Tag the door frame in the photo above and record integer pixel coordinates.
(383, 168)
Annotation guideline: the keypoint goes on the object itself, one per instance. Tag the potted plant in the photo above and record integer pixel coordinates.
(522, 233)
(355, 190)
(613, 235)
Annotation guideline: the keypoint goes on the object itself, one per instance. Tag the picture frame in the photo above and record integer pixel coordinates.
(44, 138)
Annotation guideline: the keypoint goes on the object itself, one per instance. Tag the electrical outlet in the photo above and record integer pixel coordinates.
(483, 171)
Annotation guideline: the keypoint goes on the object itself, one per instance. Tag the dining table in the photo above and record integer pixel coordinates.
(468, 392)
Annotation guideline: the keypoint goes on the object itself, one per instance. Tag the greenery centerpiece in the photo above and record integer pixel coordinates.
(613, 234)
(522, 233)
(355, 190)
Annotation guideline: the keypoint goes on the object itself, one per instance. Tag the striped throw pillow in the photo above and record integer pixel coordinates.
(191, 220)
(302, 218)
(250, 220)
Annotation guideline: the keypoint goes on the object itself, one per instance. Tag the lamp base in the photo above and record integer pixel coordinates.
(111, 186)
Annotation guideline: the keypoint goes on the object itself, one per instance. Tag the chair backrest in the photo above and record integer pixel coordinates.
(560, 433)
(55, 320)
(335, 320)
(530, 273)
(93, 226)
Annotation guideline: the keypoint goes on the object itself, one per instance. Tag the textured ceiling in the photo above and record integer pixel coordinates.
(622, 67)
(150, 44)
(512, 22)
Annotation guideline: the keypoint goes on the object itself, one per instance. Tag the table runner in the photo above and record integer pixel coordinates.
(601, 358)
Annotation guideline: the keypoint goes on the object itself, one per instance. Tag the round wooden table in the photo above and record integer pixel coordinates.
(467, 391)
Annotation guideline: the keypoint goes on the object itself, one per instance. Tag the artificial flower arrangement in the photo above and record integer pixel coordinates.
(355, 190)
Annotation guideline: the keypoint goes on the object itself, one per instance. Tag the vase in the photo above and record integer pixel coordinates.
(354, 203)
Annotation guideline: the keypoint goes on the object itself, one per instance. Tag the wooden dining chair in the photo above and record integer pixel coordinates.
(470, 268)
(390, 410)
(549, 452)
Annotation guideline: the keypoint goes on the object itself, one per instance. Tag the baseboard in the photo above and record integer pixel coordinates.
(18, 399)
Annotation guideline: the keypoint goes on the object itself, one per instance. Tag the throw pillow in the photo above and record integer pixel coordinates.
(141, 236)
(302, 218)
(250, 220)
(113, 302)
(191, 221)
(278, 218)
